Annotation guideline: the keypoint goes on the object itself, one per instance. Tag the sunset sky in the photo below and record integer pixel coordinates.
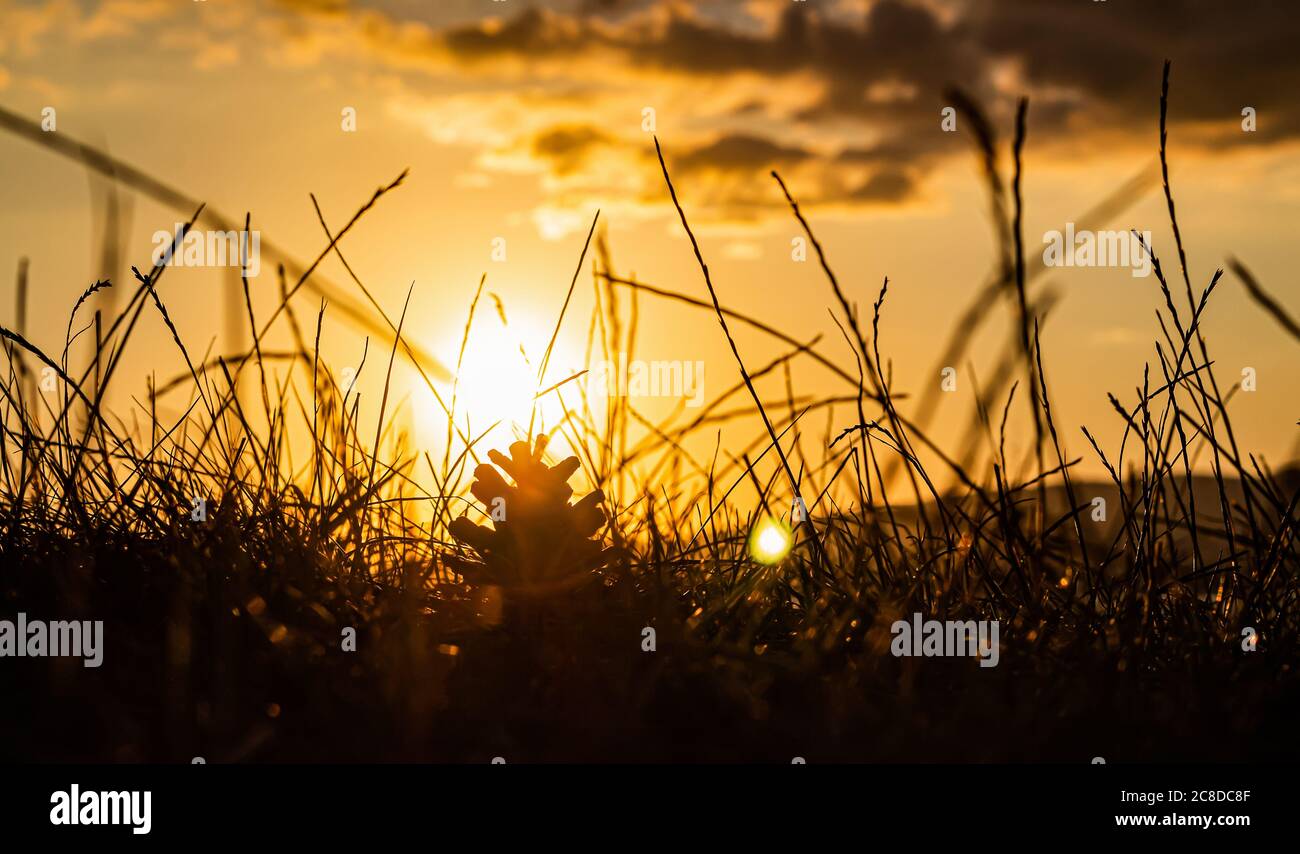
(519, 120)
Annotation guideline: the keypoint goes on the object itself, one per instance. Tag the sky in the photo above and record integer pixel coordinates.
(519, 121)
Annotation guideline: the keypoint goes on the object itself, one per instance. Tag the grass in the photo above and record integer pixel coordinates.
(523, 638)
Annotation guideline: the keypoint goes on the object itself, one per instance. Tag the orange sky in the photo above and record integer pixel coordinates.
(518, 121)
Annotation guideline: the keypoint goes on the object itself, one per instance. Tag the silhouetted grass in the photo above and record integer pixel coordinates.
(523, 638)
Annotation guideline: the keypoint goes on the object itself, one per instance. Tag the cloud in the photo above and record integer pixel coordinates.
(567, 147)
(886, 186)
(842, 97)
(533, 32)
(1104, 61)
(743, 153)
(846, 108)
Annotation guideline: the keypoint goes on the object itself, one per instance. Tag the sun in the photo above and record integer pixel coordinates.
(497, 382)
(770, 541)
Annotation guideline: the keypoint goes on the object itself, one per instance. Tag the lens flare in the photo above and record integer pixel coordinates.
(770, 541)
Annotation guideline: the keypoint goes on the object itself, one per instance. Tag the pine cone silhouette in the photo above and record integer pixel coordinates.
(539, 542)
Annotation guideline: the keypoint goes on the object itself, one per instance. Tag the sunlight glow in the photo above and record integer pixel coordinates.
(770, 541)
(496, 382)
(498, 378)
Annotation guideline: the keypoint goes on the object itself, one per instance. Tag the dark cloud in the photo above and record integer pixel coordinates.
(1105, 55)
(897, 45)
(741, 153)
(566, 147)
(886, 186)
(1087, 67)
(531, 33)
(315, 5)
(1225, 56)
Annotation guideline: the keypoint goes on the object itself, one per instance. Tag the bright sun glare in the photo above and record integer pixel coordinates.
(495, 382)
(770, 541)
(498, 383)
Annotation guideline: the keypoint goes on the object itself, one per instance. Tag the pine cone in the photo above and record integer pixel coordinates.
(539, 543)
